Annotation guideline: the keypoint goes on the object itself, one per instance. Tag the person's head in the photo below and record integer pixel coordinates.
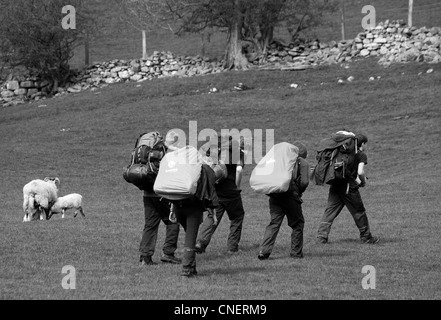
(361, 141)
(303, 152)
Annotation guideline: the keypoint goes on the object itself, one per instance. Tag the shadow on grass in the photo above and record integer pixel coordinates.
(230, 271)
(330, 252)
(244, 250)
(358, 241)
(347, 240)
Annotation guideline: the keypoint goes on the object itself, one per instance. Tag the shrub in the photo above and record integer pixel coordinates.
(32, 36)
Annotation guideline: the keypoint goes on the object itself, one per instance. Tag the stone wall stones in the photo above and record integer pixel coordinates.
(392, 42)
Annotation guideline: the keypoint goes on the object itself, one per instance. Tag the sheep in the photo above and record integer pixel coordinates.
(73, 200)
(39, 195)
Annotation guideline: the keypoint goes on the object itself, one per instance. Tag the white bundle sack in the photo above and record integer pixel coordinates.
(178, 174)
(273, 173)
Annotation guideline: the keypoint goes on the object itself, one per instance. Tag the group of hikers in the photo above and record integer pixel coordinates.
(225, 197)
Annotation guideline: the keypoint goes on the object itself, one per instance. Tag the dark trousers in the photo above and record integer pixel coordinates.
(280, 207)
(236, 214)
(189, 215)
(339, 197)
(156, 210)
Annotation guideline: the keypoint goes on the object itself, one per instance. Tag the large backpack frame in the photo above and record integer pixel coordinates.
(335, 164)
(144, 165)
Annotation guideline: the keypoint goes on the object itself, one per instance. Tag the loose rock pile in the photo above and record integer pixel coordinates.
(393, 42)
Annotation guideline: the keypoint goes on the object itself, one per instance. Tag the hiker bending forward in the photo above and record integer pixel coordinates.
(348, 194)
(290, 204)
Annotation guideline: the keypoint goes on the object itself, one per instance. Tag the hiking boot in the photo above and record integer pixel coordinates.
(146, 261)
(199, 248)
(371, 240)
(170, 258)
(189, 272)
(263, 256)
(322, 240)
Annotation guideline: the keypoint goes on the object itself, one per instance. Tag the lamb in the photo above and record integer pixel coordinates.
(73, 200)
(39, 195)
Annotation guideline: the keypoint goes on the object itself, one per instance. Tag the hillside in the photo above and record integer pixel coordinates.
(86, 139)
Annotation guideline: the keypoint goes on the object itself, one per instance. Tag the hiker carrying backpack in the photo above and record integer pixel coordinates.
(345, 193)
(335, 158)
(149, 149)
(144, 165)
(188, 183)
(290, 180)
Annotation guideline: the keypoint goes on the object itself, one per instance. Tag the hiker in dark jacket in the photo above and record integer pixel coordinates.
(347, 194)
(230, 200)
(288, 204)
(157, 209)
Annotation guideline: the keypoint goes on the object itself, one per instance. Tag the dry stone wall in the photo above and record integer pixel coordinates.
(392, 42)
(159, 65)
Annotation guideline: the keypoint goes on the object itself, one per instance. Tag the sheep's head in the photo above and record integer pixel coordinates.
(56, 181)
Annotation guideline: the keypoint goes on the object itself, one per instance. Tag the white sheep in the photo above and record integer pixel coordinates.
(70, 201)
(39, 195)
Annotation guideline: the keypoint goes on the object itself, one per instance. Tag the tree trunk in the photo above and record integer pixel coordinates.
(267, 38)
(55, 86)
(234, 56)
(267, 33)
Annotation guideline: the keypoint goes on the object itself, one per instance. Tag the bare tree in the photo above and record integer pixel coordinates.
(147, 16)
(302, 15)
(227, 15)
(245, 21)
(251, 22)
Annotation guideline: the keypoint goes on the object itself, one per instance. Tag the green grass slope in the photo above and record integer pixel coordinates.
(85, 139)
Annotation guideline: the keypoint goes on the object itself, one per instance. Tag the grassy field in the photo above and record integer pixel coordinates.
(85, 139)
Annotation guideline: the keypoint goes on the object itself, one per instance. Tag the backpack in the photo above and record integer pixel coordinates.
(274, 172)
(144, 165)
(179, 174)
(335, 158)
